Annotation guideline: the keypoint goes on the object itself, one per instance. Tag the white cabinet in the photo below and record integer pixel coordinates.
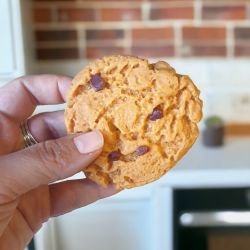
(137, 219)
(6, 50)
(11, 41)
(110, 225)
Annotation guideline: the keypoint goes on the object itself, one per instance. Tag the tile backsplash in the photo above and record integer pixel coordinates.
(75, 29)
(206, 39)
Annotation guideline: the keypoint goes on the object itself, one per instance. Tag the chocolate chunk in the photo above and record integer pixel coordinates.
(156, 114)
(114, 156)
(141, 150)
(97, 82)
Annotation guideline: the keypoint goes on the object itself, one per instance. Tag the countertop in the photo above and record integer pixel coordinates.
(204, 167)
(234, 154)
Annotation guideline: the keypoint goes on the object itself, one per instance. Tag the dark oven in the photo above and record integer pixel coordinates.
(212, 219)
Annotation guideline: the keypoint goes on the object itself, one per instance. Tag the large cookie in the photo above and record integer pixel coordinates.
(147, 114)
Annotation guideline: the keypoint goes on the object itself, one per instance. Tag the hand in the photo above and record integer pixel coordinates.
(27, 197)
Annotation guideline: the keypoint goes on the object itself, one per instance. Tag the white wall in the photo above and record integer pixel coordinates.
(11, 42)
(224, 84)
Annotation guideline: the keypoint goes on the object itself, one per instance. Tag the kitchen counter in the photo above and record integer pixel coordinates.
(234, 154)
(202, 167)
(145, 210)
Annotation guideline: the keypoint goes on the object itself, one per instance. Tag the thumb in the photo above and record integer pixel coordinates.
(47, 162)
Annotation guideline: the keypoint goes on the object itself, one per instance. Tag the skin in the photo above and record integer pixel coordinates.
(28, 194)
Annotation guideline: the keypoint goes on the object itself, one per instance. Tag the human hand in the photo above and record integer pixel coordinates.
(28, 196)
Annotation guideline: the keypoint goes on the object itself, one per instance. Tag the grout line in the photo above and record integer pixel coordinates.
(178, 42)
(247, 11)
(197, 12)
(85, 4)
(137, 24)
(128, 41)
(82, 43)
(230, 40)
(113, 4)
(245, 24)
(146, 7)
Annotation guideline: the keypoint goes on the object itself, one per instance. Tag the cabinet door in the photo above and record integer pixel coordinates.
(112, 225)
(133, 221)
(108, 225)
(6, 50)
(11, 43)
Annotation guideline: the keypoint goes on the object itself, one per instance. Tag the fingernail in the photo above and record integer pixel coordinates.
(89, 142)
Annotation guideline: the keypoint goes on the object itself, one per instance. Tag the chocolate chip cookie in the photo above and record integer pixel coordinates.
(147, 113)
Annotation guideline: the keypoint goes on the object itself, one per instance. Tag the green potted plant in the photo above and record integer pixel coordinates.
(213, 133)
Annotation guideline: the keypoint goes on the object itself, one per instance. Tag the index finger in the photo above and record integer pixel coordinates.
(19, 98)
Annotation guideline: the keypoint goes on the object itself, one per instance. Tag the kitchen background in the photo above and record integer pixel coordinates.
(206, 39)
(72, 29)
(209, 40)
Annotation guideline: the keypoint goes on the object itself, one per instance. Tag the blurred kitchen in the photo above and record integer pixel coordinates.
(204, 202)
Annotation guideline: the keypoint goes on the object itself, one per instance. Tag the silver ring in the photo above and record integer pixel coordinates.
(28, 138)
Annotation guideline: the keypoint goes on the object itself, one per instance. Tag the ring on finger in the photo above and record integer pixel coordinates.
(28, 138)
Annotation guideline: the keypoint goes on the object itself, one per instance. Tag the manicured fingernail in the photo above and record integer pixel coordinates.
(89, 142)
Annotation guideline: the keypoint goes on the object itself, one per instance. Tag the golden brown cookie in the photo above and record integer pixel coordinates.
(147, 114)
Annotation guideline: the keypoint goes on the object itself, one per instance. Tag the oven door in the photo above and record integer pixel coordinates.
(218, 230)
(215, 219)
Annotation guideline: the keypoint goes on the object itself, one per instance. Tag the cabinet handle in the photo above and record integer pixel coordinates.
(216, 218)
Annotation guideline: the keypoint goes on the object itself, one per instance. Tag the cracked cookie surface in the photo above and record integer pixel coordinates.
(147, 113)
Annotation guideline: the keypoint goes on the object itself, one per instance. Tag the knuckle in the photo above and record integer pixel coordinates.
(54, 157)
(8, 191)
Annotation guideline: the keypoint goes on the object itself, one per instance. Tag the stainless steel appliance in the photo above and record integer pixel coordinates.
(212, 219)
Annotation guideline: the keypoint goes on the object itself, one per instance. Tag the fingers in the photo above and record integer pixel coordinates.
(47, 162)
(69, 195)
(46, 126)
(19, 98)
(10, 134)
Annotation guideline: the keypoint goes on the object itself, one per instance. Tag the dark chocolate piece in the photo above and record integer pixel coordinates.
(156, 114)
(97, 82)
(114, 156)
(141, 150)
